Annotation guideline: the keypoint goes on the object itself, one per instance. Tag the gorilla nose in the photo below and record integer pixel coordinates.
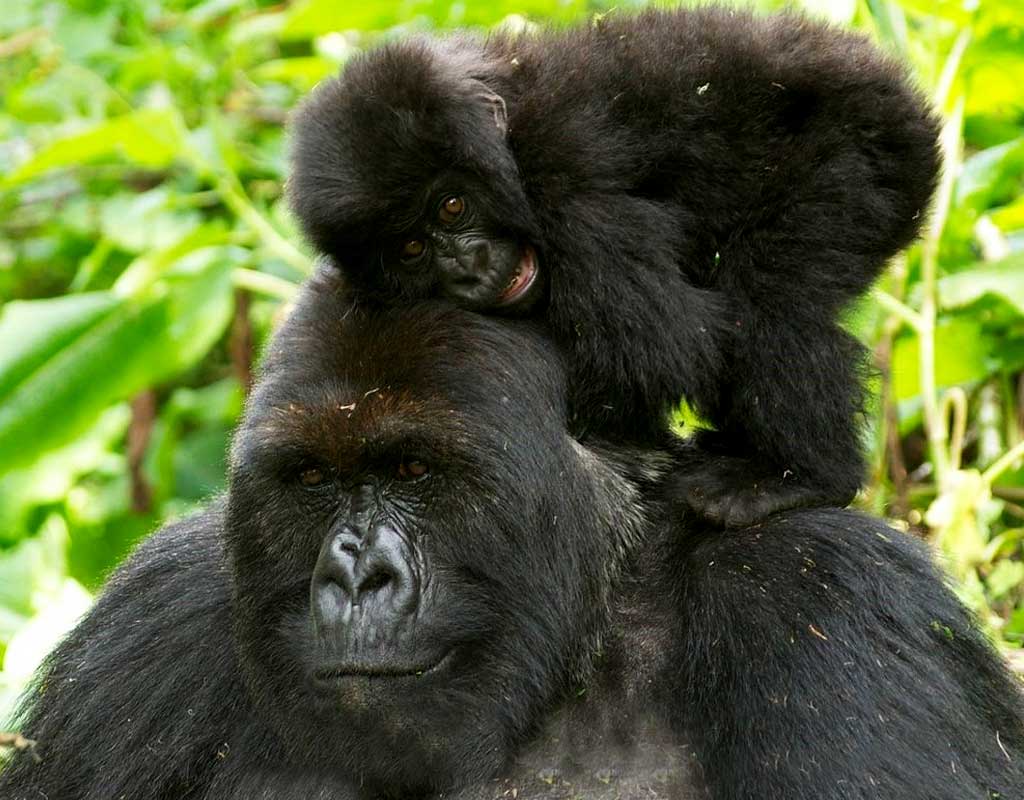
(468, 264)
(372, 573)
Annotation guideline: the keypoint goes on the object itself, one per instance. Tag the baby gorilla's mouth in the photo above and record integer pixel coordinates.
(523, 279)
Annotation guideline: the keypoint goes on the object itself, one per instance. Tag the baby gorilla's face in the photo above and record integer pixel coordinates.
(456, 249)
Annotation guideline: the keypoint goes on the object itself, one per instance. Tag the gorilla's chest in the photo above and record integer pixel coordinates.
(600, 755)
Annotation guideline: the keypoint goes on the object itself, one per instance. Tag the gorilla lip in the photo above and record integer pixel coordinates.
(523, 280)
(341, 671)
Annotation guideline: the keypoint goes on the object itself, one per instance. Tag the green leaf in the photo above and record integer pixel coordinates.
(309, 18)
(964, 356)
(51, 477)
(145, 339)
(1005, 576)
(1003, 278)
(995, 72)
(141, 222)
(31, 333)
(1011, 216)
(990, 175)
(304, 72)
(149, 138)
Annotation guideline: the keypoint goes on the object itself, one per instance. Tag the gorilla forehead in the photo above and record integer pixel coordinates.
(337, 372)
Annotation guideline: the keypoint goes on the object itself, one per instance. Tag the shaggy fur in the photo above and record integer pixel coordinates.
(601, 645)
(705, 192)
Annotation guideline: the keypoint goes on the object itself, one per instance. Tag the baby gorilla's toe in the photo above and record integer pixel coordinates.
(737, 492)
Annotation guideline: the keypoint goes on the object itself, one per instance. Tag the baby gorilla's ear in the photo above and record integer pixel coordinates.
(466, 58)
(498, 108)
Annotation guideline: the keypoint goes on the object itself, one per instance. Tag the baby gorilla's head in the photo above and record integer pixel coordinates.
(402, 174)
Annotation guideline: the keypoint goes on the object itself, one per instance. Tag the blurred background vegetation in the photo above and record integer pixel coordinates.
(145, 255)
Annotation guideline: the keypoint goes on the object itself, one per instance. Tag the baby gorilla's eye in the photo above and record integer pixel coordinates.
(451, 209)
(312, 477)
(413, 249)
(411, 469)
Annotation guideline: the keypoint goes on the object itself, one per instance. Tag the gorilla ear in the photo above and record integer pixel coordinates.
(498, 108)
(465, 58)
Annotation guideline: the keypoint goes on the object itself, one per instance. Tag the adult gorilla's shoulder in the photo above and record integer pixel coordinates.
(136, 694)
(824, 649)
(420, 585)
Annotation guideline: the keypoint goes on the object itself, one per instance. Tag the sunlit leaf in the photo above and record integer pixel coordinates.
(303, 73)
(147, 138)
(1004, 577)
(31, 333)
(143, 340)
(1004, 278)
(991, 174)
(51, 477)
(841, 11)
(964, 356)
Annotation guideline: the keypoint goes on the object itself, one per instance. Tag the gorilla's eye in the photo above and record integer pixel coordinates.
(413, 249)
(312, 477)
(411, 469)
(451, 209)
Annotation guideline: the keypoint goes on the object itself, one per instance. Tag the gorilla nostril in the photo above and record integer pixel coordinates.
(374, 583)
(346, 543)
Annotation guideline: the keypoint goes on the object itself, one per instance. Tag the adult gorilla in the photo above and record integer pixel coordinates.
(420, 585)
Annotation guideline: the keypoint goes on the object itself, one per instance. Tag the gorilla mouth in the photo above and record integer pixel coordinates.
(523, 279)
(363, 669)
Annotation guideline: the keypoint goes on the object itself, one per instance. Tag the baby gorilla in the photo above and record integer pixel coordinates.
(690, 198)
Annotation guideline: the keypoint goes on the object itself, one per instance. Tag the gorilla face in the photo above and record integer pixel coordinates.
(414, 563)
(456, 248)
(406, 179)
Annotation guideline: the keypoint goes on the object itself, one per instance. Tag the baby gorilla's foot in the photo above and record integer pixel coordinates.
(736, 492)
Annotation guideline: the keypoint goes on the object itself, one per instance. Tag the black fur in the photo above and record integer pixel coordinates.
(607, 645)
(706, 191)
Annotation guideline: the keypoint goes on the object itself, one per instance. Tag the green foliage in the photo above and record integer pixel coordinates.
(145, 254)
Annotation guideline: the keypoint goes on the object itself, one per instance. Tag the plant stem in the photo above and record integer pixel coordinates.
(935, 425)
(262, 283)
(235, 198)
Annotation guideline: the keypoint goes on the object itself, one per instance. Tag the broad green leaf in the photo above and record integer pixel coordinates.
(51, 477)
(995, 73)
(1003, 278)
(309, 18)
(1005, 576)
(32, 332)
(141, 222)
(33, 569)
(1010, 217)
(991, 174)
(144, 340)
(152, 265)
(964, 355)
(149, 138)
(303, 73)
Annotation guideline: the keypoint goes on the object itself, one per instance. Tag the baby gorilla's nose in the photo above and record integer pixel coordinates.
(469, 264)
